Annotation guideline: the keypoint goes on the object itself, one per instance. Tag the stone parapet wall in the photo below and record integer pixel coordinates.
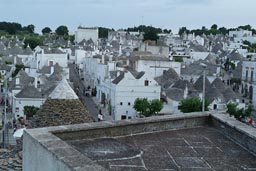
(239, 132)
(128, 127)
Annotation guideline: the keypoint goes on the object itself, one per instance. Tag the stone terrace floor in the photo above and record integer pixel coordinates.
(197, 149)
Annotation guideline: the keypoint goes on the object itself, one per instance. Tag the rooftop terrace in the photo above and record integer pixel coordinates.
(178, 142)
(202, 148)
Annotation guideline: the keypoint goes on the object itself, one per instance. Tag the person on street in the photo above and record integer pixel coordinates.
(100, 117)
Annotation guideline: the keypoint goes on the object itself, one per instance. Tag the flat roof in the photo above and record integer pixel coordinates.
(202, 148)
(194, 141)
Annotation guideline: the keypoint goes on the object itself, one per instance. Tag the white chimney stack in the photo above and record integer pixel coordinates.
(120, 49)
(103, 59)
(118, 73)
(17, 81)
(127, 62)
(52, 70)
(15, 60)
(35, 82)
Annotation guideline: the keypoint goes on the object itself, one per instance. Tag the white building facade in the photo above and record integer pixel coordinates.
(19, 103)
(156, 68)
(248, 80)
(87, 33)
(126, 91)
(50, 58)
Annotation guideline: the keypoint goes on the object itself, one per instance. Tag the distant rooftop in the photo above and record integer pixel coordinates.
(81, 27)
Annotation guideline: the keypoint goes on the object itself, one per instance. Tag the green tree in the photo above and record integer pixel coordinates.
(46, 30)
(30, 28)
(192, 105)
(246, 42)
(151, 35)
(33, 41)
(11, 28)
(214, 26)
(223, 30)
(62, 30)
(72, 38)
(167, 31)
(155, 106)
(141, 105)
(147, 108)
(204, 28)
(30, 111)
(103, 32)
(18, 67)
(183, 30)
(246, 27)
(239, 114)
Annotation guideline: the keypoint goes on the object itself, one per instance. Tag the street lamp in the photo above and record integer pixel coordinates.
(203, 100)
(203, 96)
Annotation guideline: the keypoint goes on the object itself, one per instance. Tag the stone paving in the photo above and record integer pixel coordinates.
(90, 102)
(197, 149)
(11, 159)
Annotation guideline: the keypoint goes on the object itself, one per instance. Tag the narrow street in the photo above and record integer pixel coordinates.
(87, 101)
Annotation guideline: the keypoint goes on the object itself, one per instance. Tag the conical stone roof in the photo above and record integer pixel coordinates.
(63, 91)
(217, 83)
(199, 83)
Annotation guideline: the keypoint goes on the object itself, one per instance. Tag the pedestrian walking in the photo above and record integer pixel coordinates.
(100, 117)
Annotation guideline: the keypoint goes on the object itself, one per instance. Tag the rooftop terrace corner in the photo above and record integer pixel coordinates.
(190, 141)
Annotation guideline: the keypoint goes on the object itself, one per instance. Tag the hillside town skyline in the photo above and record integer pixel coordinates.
(164, 14)
(139, 98)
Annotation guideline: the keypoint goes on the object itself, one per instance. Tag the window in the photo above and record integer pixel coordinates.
(123, 117)
(246, 74)
(252, 75)
(214, 106)
(50, 63)
(121, 103)
(146, 83)
(129, 117)
(129, 104)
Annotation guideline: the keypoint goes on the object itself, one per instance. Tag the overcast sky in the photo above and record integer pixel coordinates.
(171, 14)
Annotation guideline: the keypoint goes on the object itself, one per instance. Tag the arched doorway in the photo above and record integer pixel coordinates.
(103, 99)
(245, 90)
(250, 92)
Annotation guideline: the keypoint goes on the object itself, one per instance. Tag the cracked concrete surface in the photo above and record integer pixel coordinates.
(202, 148)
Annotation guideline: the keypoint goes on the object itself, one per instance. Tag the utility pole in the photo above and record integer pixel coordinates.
(4, 117)
(203, 96)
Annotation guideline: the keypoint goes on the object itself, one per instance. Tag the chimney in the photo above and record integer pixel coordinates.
(35, 82)
(201, 96)
(127, 62)
(52, 70)
(17, 81)
(118, 73)
(120, 49)
(103, 59)
(15, 60)
(185, 92)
